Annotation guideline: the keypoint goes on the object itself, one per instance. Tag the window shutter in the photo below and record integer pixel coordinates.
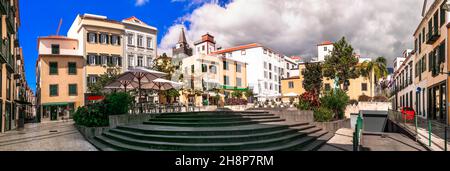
(107, 39)
(88, 37)
(118, 40)
(119, 60)
(88, 60)
(97, 60)
(96, 37)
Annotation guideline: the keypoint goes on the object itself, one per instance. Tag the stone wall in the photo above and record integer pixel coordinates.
(91, 132)
(119, 120)
(334, 126)
(290, 114)
(377, 106)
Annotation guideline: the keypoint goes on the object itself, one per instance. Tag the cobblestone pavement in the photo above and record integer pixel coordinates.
(54, 136)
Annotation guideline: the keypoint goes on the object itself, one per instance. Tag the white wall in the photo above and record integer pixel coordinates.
(322, 53)
(66, 47)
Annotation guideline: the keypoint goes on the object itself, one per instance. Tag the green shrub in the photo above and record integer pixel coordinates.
(92, 115)
(118, 103)
(336, 101)
(304, 105)
(323, 114)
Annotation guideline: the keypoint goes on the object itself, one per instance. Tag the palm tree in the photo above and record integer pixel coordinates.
(377, 69)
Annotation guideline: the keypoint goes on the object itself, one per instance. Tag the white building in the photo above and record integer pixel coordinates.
(404, 84)
(140, 39)
(265, 68)
(324, 49)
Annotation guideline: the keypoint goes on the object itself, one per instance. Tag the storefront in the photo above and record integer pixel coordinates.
(57, 111)
(437, 108)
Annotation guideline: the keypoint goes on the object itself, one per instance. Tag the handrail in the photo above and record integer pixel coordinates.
(357, 135)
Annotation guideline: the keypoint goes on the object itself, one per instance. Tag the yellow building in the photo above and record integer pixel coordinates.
(10, 74)
(292, 87)
(206, 73)
(59, 78)
(100, 42)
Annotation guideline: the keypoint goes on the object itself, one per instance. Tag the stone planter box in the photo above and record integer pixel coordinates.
(334, 126)
(118, 120)
(91, 132)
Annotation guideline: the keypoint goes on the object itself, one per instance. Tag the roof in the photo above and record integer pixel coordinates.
(325, 43)
(54, 37)
(182, 38)
(296, 57)
(248, 46)
(134, 19)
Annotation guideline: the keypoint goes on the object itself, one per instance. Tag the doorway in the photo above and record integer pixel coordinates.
(53, 113)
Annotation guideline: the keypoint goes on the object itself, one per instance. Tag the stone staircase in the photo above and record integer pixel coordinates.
(214, 131)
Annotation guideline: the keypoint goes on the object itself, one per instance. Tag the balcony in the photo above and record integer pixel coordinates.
(433, 36)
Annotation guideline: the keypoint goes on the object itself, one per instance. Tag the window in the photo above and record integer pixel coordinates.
(55, 49)
(8, 86)
(115, 40)
(53, 90)
(327, 87)
(287, 65)
(149, 61)
(230, 55)
(265, 85)
(204, 68)
(91, 59)
(238, 82)
(275, 78)
(72, 68)
(424, 64)
(363, 86)
(265, 65)
(270, 75)
(53, 68)
(203, 48)
(271, 86)
(103, 38)
(92, 37)
(225, 65)
(130, 60)
(213, 69)
(140, 61)
(104, 60)
(291, 84)
(325, 49)
(130, 39)
(73, 90)
(238, 68)
(226, 80)
(270, 67)
(243, 52)
(192, 69)
(149, 42)
(140, 41)
(443, 11)
(265, 51)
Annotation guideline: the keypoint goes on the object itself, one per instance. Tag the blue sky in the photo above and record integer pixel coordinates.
(41, 18)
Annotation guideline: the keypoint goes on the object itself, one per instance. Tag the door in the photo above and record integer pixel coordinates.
(7, 117)
(53, 113)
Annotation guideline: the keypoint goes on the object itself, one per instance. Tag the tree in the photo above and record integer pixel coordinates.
(164, 64)
(342, 63)
(237, 94)
(110, 75)
(374, 69)
(312, 78)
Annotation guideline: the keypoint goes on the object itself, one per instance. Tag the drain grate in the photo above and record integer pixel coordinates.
(53, 131)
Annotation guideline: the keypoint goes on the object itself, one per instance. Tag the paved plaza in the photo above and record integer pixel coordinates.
(55, 136)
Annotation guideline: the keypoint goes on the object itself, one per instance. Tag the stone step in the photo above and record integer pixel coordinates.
(205, 115)
(212, 124)
(119, 146)
(207, 119)
(206, 131)
(238, 146)
(314, 146)
(206, 139)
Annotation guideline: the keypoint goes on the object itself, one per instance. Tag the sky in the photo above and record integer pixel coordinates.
(291, 27)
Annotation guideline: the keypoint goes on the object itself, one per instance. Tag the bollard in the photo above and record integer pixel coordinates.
(429, 133)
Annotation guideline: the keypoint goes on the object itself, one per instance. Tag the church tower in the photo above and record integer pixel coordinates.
(182, 46)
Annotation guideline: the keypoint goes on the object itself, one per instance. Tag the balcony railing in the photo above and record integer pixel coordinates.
(4, 7)
(433, 35)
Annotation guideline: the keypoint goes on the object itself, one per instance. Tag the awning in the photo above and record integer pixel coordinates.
(234, 88)
(291, 95)
(57, 104)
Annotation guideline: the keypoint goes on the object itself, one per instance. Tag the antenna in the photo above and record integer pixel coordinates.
(425, 2)
(59, 27)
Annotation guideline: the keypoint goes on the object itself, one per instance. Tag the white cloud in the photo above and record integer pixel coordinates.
(141, 2)
(293, 27)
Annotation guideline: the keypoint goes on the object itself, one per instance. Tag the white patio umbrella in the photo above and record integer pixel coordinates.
(140, 76)
(162, 85)
(126, 85)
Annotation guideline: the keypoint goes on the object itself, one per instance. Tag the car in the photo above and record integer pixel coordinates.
(408, 113)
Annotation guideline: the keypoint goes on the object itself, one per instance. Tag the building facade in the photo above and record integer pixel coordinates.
(140, 39)
(405, 87)
(206, 73)
(267, 69)
(60, 71)
(100, 42)
(430, 61)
